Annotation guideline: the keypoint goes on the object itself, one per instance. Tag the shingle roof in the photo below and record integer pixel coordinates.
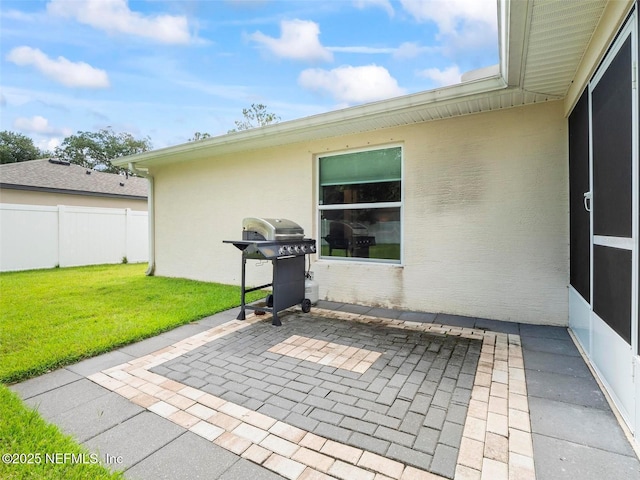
(61, 177)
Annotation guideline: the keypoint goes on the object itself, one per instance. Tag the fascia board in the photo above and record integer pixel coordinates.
(514, 19)
(306, 129)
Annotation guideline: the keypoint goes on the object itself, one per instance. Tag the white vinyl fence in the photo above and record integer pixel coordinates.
(35, 236)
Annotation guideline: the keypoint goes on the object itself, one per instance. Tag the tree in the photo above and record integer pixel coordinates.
(255, 116)
(95, 150)
(15, 147)
(199, 136)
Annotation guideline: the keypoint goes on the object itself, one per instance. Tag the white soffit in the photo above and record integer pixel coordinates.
(559, 33)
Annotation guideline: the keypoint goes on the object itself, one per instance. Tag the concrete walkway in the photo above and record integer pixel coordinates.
(343, 392)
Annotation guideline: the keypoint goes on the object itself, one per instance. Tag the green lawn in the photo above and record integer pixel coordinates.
(22, 430)
(52, 318)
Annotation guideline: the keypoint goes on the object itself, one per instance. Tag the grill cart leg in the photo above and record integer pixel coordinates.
(241, 315)
(276, 296)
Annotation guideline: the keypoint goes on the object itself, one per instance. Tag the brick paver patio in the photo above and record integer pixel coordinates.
(415, 400)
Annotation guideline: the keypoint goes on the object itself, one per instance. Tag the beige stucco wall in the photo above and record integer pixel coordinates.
(485, 216)
(30, 197)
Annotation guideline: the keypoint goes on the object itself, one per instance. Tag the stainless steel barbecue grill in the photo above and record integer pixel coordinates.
(281, 241)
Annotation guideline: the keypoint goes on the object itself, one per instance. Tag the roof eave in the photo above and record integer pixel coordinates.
(309, 128)
(64, 191)
(513, 24)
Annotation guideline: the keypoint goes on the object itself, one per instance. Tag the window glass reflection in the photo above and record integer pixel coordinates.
(361, 233)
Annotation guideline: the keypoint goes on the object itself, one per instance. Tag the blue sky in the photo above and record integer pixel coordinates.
(167, 69)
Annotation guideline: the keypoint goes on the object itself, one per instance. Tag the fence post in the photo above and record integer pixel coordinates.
(127, 232)
(60, 234)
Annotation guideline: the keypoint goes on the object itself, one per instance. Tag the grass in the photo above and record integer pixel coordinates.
(22, 430)
(52, 318)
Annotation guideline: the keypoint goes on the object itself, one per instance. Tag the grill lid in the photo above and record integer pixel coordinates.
(279, 229)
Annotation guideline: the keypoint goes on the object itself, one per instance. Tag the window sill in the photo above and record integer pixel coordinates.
(357, 262)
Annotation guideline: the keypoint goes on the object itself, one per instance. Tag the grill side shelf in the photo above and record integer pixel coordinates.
(241, 244)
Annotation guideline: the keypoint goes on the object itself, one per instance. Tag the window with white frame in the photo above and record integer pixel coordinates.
(360, 204)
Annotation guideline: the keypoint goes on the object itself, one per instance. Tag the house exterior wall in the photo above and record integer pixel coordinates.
(485, 219)
(30, 197)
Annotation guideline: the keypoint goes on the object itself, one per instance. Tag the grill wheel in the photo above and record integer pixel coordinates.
(306, 305)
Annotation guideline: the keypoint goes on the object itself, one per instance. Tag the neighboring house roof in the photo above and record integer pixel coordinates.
(55, 176)
(541, 46)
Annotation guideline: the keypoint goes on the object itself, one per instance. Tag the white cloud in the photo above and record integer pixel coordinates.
(39, 125)
(403, 51)
(442, 78)
(412, 50)
(352, 84)
(448, 14)
(298, 40)
(384, 4)
(49, 144)
(463, 25)
(17, 15)
(66, 72)
(115, 16)
(363, 49)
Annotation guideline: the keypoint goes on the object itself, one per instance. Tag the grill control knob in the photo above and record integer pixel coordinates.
(312, 248)
(303, 248)
(290, 249)
(297, 248)
(281, 251)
